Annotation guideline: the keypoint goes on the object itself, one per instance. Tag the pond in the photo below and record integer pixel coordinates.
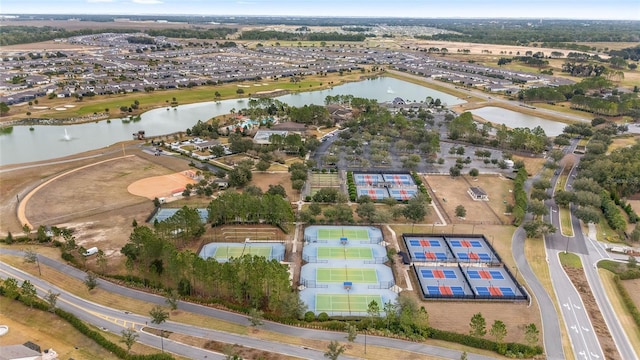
(48, 142)
(513, 119)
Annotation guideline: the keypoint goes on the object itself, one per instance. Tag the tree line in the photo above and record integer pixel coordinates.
(300, 36)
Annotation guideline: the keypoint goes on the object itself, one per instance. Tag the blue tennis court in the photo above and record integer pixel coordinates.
(373, 193)
(425, 243)
(367, 179)
(430, 256)
(495, 291)
(484, 274)
(399, 179)
(164, 213)
(445, 290)
(438, 274)
(402, 194)
(471, 256)
(466, 243)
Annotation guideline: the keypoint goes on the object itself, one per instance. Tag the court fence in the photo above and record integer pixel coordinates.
(314, 259)
(313, 284)
(382, 285)
(377, 260)
(474, 296)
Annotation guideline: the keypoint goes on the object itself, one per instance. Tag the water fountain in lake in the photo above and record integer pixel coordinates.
(66, 136)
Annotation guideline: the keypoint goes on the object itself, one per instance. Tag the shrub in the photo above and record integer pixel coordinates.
(323, 316)
(309, 316)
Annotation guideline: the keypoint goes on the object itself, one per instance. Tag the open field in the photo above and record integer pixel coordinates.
(623, 142)
(160, 186)
(625, 318)
(452, 192)
(84, 110)
(48, 331)
(263, 180)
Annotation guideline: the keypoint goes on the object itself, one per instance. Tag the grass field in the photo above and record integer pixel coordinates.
(336, 234)
(324, 180)
(345, 302)
(227, 252)
(356, 275)
(341, 252)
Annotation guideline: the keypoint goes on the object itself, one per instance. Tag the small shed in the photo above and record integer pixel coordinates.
(478, 194)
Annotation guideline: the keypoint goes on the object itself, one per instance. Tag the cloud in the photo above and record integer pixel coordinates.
(147, 2)
(99, 1)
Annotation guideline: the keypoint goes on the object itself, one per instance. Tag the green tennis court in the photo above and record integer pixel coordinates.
(226, 252)
(338, 275)
(344, 252)
(338, 233)
(345, 302)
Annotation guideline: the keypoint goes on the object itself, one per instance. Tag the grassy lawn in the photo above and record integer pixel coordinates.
(536, 256)
(570, 260)
(623, 315)
(161, 98)
(565, 222)
(445, 89)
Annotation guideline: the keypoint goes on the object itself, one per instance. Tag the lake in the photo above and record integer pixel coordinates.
(49, 142)
(513, 119)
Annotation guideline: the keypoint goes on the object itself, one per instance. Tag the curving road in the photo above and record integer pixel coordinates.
(115, 320)
(579, 327)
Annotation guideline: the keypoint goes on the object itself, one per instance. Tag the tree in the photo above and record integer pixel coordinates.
(531, 334)
(463, 356)
(91, 281)
(28, 293)
(334, 350)
(366, 211)
(498, 331)
(4, 108)
(52, 299)
(158, 316)
(255, 317)
(10, 288)
(537, 208)
(352, 332)
(129, 337)
(588, 214)
(172, 299)
(478, 325)
(262, 165)
(461, 211)
(31, 257)
(563, 198)
(474, 172)
(416, 209)
(454, 171)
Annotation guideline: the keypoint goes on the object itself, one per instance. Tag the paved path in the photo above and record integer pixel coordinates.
(118, 319)
(552, 337)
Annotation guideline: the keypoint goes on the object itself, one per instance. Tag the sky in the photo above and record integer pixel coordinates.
(563, 9)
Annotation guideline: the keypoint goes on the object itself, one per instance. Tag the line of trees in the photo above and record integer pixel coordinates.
(300, 36)
(231, 207)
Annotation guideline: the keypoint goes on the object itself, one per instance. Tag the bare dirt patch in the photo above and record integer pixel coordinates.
(579, 280)
(451, 192)
(98, 189)
(264, 179)
(161, 186)
(95, 203)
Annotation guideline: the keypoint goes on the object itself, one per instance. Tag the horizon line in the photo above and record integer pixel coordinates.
(4, 16)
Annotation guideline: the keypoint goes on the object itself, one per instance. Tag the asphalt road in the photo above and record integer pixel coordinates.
(552, 337)
(579, 327)
(115, 320)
